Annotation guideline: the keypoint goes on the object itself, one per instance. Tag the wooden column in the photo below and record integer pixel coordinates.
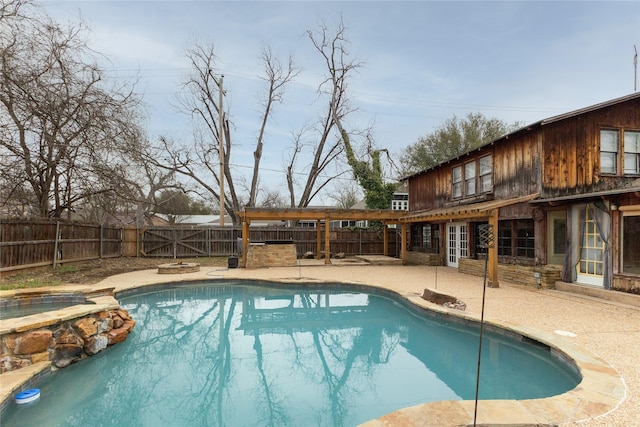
(327, 246)
(318, 238)
(245, 243)
(403, 242)
(493, 252)
(385, 240)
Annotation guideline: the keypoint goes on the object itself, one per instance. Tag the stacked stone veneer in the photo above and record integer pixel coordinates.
(271, 255)
(423, 258)
(519, 274)
(65, 342)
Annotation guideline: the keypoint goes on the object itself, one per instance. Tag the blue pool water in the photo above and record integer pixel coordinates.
(244, 354)
(13, 311)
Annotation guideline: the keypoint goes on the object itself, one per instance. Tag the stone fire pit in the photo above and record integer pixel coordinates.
(178, 268)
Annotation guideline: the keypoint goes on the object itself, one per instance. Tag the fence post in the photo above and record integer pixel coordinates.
(55, 246)
(175, 243)
(101, 240)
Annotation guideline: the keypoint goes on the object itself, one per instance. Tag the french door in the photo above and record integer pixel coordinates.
(457, 242)
(591, 263)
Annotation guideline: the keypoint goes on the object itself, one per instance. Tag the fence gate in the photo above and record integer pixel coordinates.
(178, 242)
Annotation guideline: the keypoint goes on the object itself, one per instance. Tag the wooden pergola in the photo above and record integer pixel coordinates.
(320, 215)
(487, 210)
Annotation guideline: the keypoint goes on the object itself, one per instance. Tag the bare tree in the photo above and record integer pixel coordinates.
(58, 115)
(200, 98)
(369, 172)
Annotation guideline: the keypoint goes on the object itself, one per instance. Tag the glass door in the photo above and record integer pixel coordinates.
(591, 264)
(457, 243)
(556, 236)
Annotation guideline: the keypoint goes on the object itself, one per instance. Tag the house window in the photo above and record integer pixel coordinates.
(456, 180)
(516, 238)
(485, 178)
(617, 158)
(426, 237)
(525, 242)
(632, 152)
(504, 238)
(470, 178)
(608, 151)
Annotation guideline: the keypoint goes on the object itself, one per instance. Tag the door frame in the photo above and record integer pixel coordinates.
(553, 257)
(458, 234)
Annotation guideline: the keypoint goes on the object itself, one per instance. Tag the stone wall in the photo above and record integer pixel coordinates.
(271, 255)
(65, 342)
(423, 258)
(519, 274)
(630, 284)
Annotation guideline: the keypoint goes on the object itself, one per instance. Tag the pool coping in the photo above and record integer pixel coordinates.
(601, 390)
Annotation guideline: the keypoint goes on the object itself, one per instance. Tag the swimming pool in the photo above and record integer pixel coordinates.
(245, 353)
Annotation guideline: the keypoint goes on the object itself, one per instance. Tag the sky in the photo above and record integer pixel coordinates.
(423, 61)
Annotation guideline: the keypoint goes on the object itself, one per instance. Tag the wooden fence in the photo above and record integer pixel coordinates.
(26, 244)
(189, 242)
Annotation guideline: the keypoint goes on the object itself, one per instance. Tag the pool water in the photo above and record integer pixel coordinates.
(13, 311)
(241, 354)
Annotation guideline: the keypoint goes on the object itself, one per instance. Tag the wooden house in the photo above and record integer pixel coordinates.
(562, 196)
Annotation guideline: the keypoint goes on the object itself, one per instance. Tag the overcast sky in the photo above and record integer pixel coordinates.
(424, 61)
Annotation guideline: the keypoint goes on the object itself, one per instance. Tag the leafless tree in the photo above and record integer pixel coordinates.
(58, 114)
(200, 163)
(367, 166)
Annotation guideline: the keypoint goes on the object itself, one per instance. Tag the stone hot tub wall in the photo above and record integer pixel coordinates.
(63, 336)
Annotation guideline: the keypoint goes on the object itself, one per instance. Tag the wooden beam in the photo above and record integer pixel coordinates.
(385, 240)
(245, 243)
(327, 245)
(320, 214)
(318, 238)
(403, 243)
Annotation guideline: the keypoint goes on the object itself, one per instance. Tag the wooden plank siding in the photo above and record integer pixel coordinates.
(571, 150)
(555, 157)
(516, 171)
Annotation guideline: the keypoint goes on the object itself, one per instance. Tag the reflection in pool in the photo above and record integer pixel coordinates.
(19, 307)
(238, 354)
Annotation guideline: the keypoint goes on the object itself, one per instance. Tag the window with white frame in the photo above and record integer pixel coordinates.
(619, 152)
(474, 178)
(631, 152)
(608, 151)
(486, 174)
(456, 182)
(470, 178)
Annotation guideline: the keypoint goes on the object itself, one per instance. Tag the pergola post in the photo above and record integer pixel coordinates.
(245, 243)
(492, 252)
(327, 247)
(403, 242)
(385, 240)
(318, 238)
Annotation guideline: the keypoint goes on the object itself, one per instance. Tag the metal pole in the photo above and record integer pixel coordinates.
(486, 240)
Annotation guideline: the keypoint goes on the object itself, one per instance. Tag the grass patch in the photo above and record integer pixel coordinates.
(93, 271)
